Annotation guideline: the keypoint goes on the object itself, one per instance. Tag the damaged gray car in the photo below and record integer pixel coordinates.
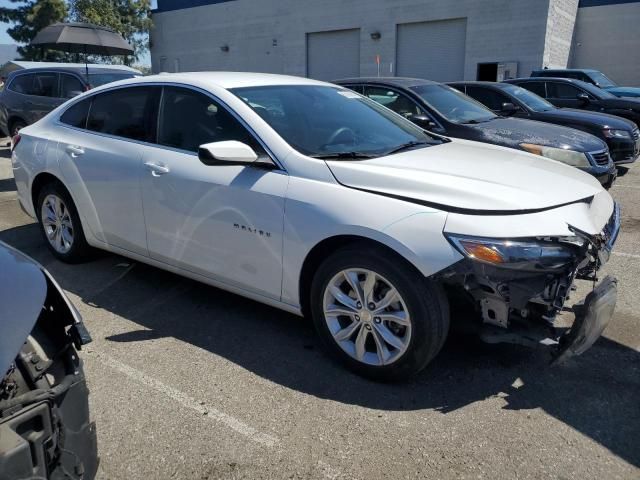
(45, 431)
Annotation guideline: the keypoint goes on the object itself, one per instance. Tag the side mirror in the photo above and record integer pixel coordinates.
(583, 97)
(230, 152)
(508, 109)
(423, 121)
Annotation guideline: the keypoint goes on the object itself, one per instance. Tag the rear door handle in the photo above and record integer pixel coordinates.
(74, 151)
(156, 169)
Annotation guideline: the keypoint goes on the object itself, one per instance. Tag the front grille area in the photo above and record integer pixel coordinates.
(601, 158)
(635, 134)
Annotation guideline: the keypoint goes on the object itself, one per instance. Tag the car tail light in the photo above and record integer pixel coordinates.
(15, 141)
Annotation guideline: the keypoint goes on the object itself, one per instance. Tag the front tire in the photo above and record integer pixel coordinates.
(376, 314)
(60, 224)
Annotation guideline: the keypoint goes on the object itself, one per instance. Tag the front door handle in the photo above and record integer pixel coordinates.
(74, 151)
(156, 169)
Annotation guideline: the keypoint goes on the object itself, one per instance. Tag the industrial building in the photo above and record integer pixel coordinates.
(441, 40)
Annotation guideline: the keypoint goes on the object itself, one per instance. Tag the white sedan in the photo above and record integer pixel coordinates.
(311, 198)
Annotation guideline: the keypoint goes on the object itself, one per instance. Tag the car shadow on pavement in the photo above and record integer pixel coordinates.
(597, 394)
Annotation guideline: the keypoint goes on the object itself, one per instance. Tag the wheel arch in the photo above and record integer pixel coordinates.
(38, 183)
(329, 245)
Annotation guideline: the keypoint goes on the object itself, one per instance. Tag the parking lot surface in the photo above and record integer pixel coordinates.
(188, 381)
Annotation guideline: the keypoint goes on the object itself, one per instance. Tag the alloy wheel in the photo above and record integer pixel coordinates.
(367, 316)
(57, 223)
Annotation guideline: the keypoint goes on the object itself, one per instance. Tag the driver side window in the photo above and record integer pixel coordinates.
(189, 119)
(393, 100)
(563, 91)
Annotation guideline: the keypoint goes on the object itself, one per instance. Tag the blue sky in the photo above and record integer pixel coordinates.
(5, 38)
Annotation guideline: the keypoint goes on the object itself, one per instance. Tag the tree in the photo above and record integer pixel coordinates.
(29, 17)
(130, 18)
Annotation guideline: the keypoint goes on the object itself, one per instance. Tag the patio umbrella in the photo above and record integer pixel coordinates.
(82, 38)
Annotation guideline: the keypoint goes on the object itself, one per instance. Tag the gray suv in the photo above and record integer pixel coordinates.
(30, 94)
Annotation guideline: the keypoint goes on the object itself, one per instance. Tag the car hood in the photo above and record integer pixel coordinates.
(585, 116)
(624, 91)
(23, 289)
(469, 177)
(512, 132)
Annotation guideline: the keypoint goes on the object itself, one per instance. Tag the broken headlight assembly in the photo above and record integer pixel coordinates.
(524, 255)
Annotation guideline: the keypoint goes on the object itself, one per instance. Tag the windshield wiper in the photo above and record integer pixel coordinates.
(407, 146)
(343, 156)
(473, 121)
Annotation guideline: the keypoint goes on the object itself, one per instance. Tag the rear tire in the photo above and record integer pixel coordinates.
(376, 333)
(60, 224)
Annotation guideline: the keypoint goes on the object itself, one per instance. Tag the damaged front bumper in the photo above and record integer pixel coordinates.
(519, 302)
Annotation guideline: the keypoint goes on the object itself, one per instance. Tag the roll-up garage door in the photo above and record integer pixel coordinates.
(333, 55)
(432, 50)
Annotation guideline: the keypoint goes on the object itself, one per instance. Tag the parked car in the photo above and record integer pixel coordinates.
(444, 110)
(589, 75)
(621, 135)
(30, 94)
(45, 430)
(565, 92)
(316, 200)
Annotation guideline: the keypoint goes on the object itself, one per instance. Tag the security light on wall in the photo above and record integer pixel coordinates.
(376, 36)
(224, 48)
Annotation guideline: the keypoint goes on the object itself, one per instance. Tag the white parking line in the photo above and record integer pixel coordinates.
(628, 255)
(189, 402)
(636, 187)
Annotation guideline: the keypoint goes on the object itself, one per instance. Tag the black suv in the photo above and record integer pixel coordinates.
(589, 75)
(442, 109)
(30, 94)
(566, 92)
(621, 135)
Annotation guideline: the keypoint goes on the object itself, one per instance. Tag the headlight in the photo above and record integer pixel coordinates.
(570, 157)
(616, 133)
(516, 254)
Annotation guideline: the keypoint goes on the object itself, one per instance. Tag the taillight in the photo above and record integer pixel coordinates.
(15, 141)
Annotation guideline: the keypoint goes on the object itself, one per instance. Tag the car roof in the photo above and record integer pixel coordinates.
(580, 83)
(393, 81)
(566, 70)
(225, 80)
(76, 70)
(478, 83)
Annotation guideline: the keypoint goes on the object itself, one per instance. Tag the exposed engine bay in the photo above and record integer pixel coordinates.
(45, 431)
(519, 301)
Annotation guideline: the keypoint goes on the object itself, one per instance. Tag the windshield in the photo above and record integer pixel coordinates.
(325, 121)
(601, 80)
(97, 79)
(453, 105)
(530, 99)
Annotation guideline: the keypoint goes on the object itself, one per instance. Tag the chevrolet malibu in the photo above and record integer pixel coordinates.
(311, 198)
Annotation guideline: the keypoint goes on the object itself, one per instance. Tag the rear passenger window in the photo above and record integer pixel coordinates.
(70, 86)
(76, 116)
(126, 112)
(22, 84)
(190, 119)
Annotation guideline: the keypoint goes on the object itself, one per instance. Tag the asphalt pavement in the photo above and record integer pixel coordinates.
(190, 382)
